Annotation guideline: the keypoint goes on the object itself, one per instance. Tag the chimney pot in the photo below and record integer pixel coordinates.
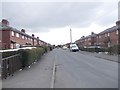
(92, 33)
(33, 35)
(5, 22)
(23, 30)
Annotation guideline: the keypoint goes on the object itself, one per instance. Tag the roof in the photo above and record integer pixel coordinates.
(14, 29)
(114, 28)
(90, 36)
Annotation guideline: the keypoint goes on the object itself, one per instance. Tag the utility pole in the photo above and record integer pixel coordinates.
(70, 36)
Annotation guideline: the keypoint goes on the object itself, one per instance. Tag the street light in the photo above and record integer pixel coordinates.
(70, 35)
(118, 28)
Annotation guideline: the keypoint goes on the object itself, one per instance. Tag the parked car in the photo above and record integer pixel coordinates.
(64, 48)
(74, 47)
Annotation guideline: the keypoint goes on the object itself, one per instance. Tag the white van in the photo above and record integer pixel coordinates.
(74, 47)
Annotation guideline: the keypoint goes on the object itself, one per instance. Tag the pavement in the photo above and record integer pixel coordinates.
(38, 76)
(65, 69)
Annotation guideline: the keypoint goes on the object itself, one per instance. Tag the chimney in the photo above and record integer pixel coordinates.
(23, 30)
(5, 22)
(92, 33)
(82, 36)
(33, 35)
(37, 37)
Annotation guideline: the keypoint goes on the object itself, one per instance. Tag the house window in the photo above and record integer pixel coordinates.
(108, 34)
(109, 44)
(12, 46)
(17, 34)
(117, 32)
(105, 35)
(23, 37)
(13, 33)
(99, 36)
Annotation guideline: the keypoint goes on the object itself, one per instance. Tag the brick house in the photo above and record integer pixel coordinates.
(108, 37)
(88, 41)
(13, 38)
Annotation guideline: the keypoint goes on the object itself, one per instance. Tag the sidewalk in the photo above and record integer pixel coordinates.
(102, 55)
(38, 76)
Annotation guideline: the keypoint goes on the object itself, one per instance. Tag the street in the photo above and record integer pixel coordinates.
(73, 70)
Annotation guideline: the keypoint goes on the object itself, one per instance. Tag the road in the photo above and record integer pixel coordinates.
(73, 70)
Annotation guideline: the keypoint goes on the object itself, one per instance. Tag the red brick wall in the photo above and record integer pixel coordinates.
(19, 40)
(5, 39)
(113, 38)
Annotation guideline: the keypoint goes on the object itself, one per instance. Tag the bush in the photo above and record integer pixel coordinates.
(46, 49)
(10, 53)
(111, 50)
(114, 49)
(29, 56)
(94, 49)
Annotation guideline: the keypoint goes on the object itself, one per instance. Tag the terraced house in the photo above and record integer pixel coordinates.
(88, 41)
(13, 38)
(106, 38)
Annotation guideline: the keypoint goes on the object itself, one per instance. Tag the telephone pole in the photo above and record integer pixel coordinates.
(70, 35)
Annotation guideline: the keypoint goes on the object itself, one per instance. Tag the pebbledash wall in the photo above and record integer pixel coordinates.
(13, 38)
(106, 38)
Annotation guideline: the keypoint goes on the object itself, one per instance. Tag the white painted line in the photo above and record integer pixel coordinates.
(53, 76)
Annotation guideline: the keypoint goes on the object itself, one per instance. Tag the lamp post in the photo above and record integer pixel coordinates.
(118, 28)
(70, 35)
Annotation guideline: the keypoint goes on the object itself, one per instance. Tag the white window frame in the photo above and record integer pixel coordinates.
(17, 35)
(11, 46)
(99, 36)
(117, 32)
(13, 33)
(23, 37)
(108, 34)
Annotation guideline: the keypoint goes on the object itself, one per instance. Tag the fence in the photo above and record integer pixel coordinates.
(10, 65)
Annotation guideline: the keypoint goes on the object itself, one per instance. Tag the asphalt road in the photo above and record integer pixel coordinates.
(73, 70)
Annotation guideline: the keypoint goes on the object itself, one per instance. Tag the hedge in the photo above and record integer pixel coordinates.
(10, 53)
(111, 50)
(29, 56)
(93, 49)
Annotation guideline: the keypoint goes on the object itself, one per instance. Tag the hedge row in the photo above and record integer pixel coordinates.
(93, 49)
(111, 50)
(29, 56)
(10, 53)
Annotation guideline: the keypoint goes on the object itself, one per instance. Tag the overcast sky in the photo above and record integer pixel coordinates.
(51, 21)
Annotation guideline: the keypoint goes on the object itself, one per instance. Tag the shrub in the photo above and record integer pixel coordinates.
(29, 56)
(114, 49)
(10, 53)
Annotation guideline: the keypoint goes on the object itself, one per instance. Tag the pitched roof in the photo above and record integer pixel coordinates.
(14, 29)
(114, 28)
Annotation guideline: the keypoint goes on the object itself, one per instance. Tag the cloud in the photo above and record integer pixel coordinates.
(50, 19)
(50, 15)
